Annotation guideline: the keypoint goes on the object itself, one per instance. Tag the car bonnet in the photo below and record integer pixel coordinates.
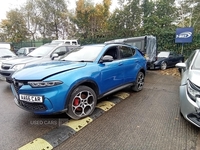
(20, 60)
(43, 70)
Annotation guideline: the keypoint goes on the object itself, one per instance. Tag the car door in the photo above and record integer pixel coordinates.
(129, 60)
(112, 73)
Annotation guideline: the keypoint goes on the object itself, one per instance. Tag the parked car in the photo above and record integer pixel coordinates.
(189, 90)
(75, 83)
(40, 54)
(24, 51)
(166, 59)
(6, 54)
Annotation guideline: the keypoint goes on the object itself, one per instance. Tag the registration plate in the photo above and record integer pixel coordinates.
(31, 98)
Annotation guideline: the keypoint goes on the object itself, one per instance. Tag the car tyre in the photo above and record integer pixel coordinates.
(82, 102)
(138, 86)
(163, 65)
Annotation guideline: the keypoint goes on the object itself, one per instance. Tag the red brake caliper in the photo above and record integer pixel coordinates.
(76, 103)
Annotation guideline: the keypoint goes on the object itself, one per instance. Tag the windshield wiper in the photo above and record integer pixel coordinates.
(84, 61)
(6, 56)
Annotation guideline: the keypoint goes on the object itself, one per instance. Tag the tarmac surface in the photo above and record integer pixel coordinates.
(147, 120)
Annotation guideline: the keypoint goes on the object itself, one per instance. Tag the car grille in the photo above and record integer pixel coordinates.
(195, 118)
(5, 66)
(32, 106)
(29, 106)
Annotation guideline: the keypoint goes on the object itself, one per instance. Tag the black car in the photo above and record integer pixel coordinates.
(166, 59)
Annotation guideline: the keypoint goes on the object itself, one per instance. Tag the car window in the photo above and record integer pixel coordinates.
(61, 50)
(21, 51)
(126, 52)
(196, 64)
(74, 43)
(189, 60)
(112, 51)
(42, 51)
(30, 50)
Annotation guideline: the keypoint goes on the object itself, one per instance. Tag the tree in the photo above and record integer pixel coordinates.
(14, 26)
(158, 16)
(54, 18)
(188, 14)
(91, 20)
(126, 21)
(32, 17)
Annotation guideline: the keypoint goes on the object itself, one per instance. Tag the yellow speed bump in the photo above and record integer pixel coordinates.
(122, 95)
(105, 105)
(78, 124)
(37, 144)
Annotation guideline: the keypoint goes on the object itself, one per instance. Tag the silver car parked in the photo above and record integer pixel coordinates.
(190, 88)
(41, 54)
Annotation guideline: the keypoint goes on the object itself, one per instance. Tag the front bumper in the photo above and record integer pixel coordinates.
(152, 65)
(189, 108)
(54, 99)
(7, 74)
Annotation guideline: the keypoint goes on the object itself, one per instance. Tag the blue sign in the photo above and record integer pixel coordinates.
(184, 35)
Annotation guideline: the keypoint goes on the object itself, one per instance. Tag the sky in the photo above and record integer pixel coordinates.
(6, 5)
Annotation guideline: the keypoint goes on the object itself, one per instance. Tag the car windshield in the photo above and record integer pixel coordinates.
(163, 54)
(197, 62)
(83, 53)
(42, 51)
(6, 53)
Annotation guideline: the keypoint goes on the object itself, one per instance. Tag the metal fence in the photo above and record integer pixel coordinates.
(29, 44)
(165, 42)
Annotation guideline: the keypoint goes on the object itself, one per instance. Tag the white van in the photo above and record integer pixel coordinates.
(69, 42)
(5, 45)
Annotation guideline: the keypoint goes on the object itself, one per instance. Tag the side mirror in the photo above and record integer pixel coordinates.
(107, 58)
(54, 56)
(181, 65)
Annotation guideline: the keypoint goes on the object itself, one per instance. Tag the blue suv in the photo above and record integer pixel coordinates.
(74, 83)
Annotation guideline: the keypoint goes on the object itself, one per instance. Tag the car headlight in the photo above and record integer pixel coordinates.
(192, 90)
(38, 84)
(18, 67)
